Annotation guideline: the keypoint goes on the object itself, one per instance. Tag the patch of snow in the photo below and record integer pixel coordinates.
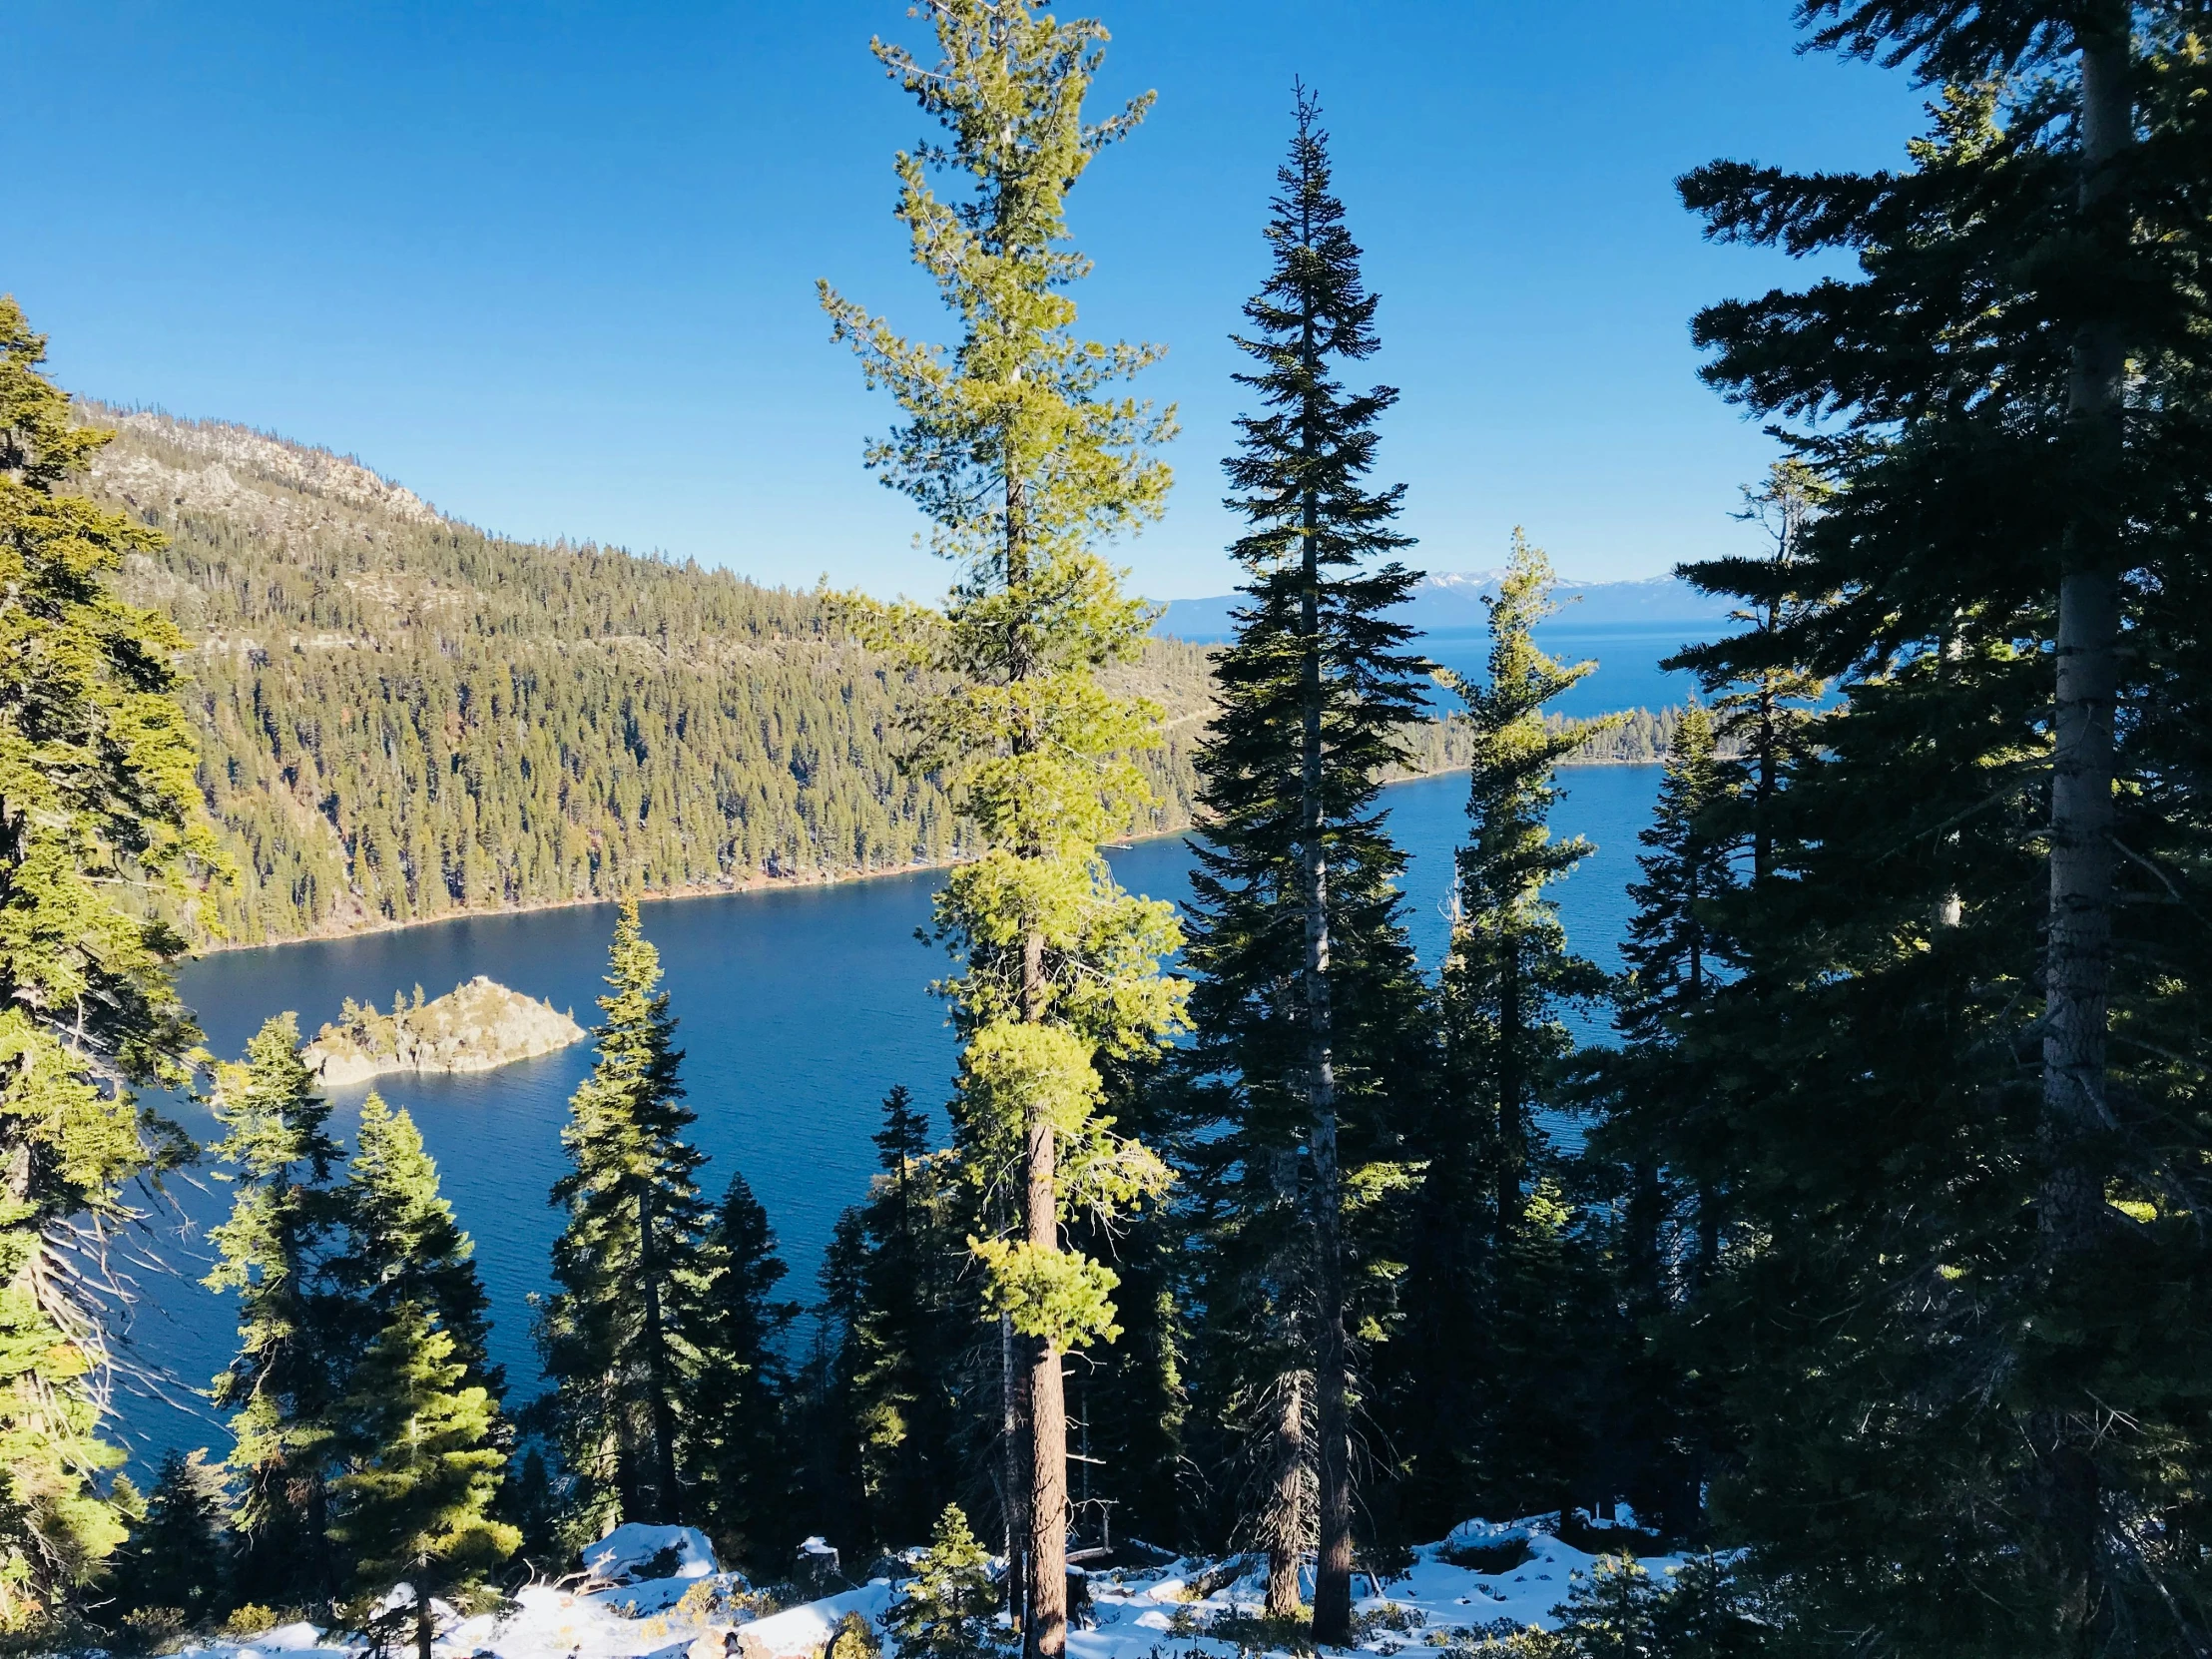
(623, 1554)
(798, 1631)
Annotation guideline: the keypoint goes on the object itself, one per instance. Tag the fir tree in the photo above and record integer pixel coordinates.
(1309, 1004)
(405, 1245)
(181, 1549)
(1658, 1122)
(1489, 1403)
(1763, 697)
(904, 1332)
(1965, 1201)
(285, 1383)
(100, 826)
(616, 1334)
(1022, 460)
(947, 1609)
(739, 1454)
(423, 1466)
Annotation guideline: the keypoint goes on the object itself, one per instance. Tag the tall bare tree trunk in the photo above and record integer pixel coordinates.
(1285, 1517)
(1045, 1633)
(2076, 1117)
(1013, 1495)
(2079, 966)
(1332, 1369)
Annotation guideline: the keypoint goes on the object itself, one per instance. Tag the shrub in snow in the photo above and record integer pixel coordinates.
(855, 1639)
(950, 1607)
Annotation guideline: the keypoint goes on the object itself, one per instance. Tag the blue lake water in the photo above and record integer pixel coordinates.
(798, 1007)
(1628, 655)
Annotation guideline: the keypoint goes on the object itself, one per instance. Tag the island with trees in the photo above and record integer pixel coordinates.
(479, 1026)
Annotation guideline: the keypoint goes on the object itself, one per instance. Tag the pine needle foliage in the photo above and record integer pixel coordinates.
(1969, 1404)
(947, 1610)
(101, 822)
(618, 1333)
(404, 1245)
(739, 1451)
(424, 1461)
(284, 1385)
(182, 1551)
(1309, 1008)
(1495, 1416)
(1021, 458)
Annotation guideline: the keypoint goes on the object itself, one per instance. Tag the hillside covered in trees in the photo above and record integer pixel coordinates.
(401, 717)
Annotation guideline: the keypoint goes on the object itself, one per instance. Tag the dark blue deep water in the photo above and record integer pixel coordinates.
(799, 1008)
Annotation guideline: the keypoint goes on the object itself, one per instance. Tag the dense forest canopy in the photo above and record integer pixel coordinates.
(402, 717)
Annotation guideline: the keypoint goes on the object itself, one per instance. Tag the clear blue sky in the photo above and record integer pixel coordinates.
(551, 265)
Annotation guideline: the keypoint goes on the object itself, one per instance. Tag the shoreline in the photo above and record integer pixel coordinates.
(756, 883)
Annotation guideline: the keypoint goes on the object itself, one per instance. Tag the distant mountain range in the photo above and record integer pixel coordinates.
(1453, 602)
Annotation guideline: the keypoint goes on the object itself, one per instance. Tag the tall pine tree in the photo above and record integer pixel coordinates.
(405, 1245)
(1658, 1125)
(423, 1466)
(100, 828)
(739, 1453)
(284, 1385)
(1962, 1146)
(616, 1333)
(1488, 1400)
(1023, 460)
(1309, 1007)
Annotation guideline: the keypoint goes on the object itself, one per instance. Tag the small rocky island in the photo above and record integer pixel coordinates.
(479, 1026)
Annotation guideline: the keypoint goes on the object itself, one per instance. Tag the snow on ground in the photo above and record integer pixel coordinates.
(1469, 1582)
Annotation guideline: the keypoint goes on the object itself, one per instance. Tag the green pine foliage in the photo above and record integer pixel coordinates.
(173, 1573)
(947, 1610)
(1309, 1011)
(401, 717)
(907, 1327)
(1958, 1349)
(1023, 455)
(101, 824)
(404, 1245)
(1657, 1125)
(284, 1385)
(620, 1333)
(424, 1461)
(1495, 1411)
(735, 1422)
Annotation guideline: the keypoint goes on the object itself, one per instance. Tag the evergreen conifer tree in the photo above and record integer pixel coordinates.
(1658, 1121)
(405, 1245)
(181, 1549)
(1958, 1355)
(423, 1466)
(616, 1334)
(1023, 460)
(101, 829)
(739, 1454)
(293, 1345)
(1492, 1410)
(905, 1326)
(947, 1609)
(1309, 1004)
(1763, 697)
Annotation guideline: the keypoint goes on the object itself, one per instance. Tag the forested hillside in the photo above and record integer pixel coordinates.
(401, 717)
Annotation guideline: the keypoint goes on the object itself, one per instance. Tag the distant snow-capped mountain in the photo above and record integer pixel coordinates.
(1450, 601)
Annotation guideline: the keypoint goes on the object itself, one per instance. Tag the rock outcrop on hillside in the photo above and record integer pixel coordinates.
(479, 1026)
